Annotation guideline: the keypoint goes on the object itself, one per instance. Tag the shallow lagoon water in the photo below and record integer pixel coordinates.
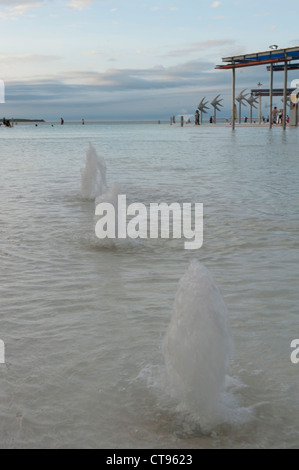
(84, 324)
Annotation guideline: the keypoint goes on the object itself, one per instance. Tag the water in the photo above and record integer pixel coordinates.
(93, 176)
(197, 348)
(86, 324)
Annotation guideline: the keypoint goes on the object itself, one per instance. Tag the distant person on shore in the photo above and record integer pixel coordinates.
(280, 117)
(62, 121)
(6, 122)
(274, 115)
(83, 122)
(197, 117)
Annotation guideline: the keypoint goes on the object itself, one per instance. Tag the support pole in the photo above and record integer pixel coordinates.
(240, 111)
(285, 95)
(271, 98)
(233, 98)
(260, 109)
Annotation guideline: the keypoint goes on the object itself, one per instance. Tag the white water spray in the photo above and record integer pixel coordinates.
(197, 346)
(93, 176)
(94, 185)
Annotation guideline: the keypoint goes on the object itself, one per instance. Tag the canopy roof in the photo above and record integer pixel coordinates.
(259, 58)
(279, 67)
(275, 91)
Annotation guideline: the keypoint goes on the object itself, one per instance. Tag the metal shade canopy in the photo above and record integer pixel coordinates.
(283, 57)
(276, 55)
(280, 68)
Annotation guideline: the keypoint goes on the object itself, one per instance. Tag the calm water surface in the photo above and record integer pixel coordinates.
(83, 324)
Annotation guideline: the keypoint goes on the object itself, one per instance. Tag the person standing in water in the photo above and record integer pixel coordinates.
(274, 115)
(62, 121)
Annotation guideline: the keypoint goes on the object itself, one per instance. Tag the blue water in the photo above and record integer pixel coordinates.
(84, 324)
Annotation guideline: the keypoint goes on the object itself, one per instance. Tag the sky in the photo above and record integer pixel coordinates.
(134, 59)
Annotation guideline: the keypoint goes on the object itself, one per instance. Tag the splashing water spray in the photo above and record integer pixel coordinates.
(93, 176)
(94, 184)
(198, 346)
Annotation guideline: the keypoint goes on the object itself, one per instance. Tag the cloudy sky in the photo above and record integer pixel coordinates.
(133, 59)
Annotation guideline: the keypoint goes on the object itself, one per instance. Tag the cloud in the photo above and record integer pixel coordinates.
(104, 53)
(155, 78)
(92, 53)
(156, 92)
(8, 59)
(18, 10)
(77, 25)
(260, 15)
(216, 4)
(202, 46)
(79, 4)
(124, 80)
(20, 3)
(135, 93)
(25, 6)
(157, 8)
